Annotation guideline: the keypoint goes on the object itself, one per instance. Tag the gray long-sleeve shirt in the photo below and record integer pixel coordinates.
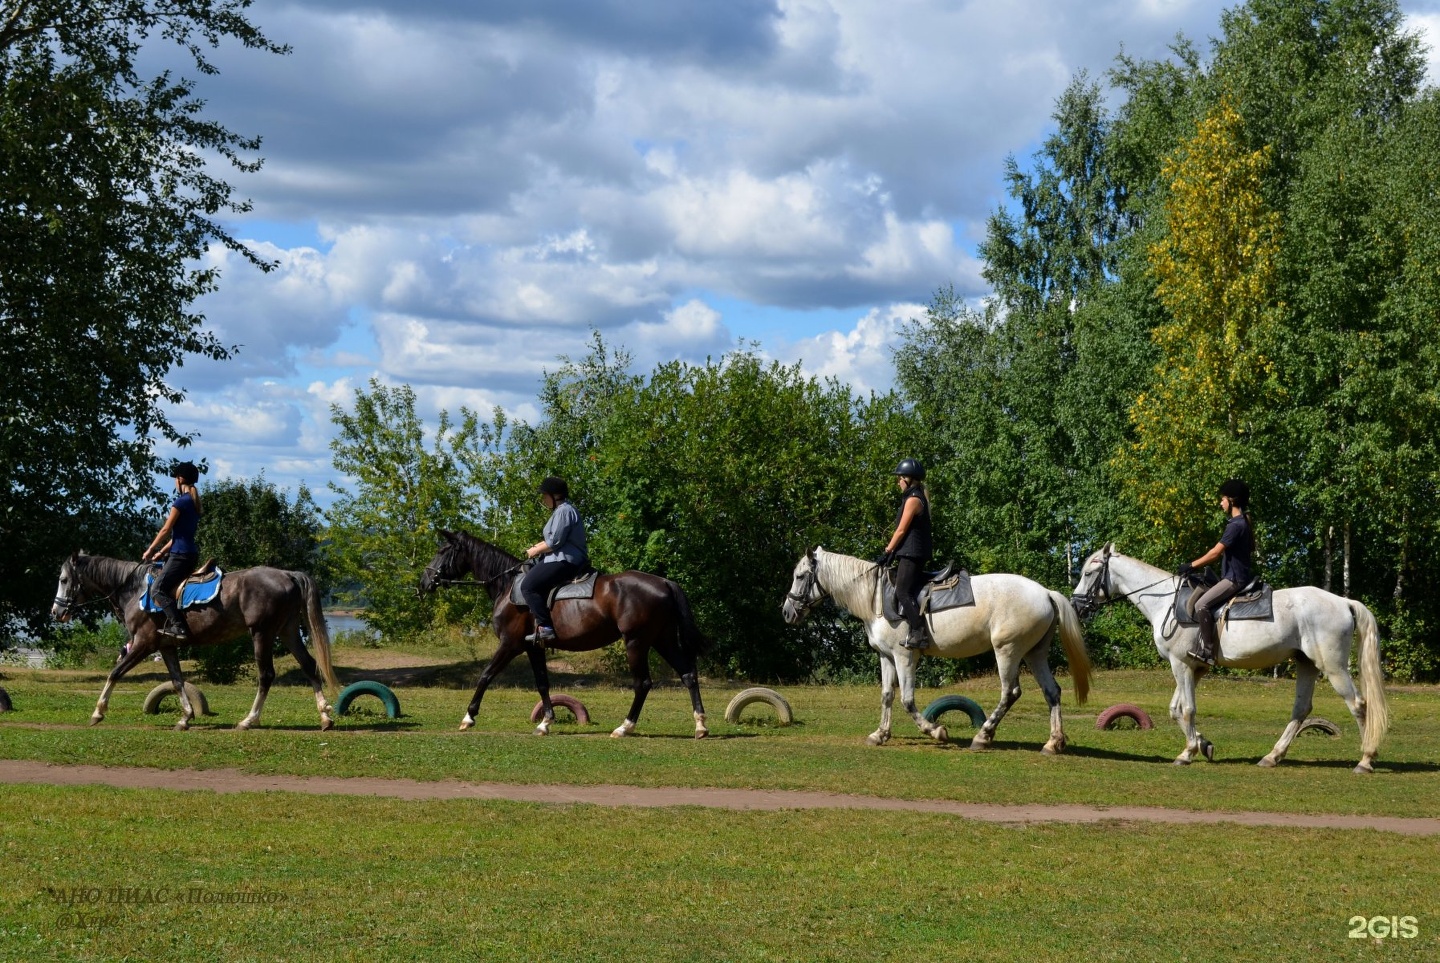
(565, 534)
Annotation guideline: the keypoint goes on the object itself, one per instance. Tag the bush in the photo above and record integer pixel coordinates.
(71, 644)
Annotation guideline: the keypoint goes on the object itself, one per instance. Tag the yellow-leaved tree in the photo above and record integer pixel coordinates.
(1214, 269)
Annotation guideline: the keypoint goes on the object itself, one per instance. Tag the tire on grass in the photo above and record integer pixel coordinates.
(5, 704)
(1108, 718)
(157, 695)
(367, 687)
(1317, 724)
(561, 700)
(949, 703)
(759, 694)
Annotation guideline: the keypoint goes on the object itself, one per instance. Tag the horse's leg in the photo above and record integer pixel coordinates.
(291, 636)
(172, 665)
(685, 668)
(128, 661)
(638, 657)
(1039, 662)
(1344, 685)
(905, 662)
(887, 698)
(265, 663)
(510, 647)
(1182, 710)
(1305, 675)
(1009, 668)
(542, 685)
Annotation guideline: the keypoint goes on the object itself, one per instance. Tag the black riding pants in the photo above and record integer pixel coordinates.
(909, 579)
(538, 583)
(167, 587)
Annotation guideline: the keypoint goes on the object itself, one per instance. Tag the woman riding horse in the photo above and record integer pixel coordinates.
(178, 538)
(1236, 545)
(564, 556)
(911, 546)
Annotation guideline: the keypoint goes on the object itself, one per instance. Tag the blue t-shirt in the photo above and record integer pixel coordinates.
(182, 536)
(1239, 544)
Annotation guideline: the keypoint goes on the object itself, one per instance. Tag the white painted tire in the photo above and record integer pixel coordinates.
(759, 694)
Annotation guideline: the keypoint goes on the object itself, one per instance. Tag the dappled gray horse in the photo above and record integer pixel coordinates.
(1311, 626)
(1012, 615)
(261, 602)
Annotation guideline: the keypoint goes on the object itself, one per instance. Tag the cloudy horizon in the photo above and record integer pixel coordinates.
(456, 195)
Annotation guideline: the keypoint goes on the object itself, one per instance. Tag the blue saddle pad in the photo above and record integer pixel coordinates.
(191, 593)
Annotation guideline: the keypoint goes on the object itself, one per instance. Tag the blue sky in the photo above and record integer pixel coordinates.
(459, 193)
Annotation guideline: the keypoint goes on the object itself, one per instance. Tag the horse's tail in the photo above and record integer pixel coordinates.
(315, 625)
(692, 641)
(1372, 678)
(1072, 639)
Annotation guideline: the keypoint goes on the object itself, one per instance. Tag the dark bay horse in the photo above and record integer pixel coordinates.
(260, 602)
(647, 611)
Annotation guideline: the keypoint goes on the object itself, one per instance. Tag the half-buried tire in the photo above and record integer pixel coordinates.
(157, 695)
(1317, 724)
(949, 703)
(1112, 715)
(562, 701)
(759, 694)
(5, 704)
(376, 689)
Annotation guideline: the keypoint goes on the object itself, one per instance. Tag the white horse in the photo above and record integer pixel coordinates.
(1311, 626)
(1012, 615)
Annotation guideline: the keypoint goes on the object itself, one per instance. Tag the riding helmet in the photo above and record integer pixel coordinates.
(1237, 491)
(555, 487)
(911, 468)
(186, 472)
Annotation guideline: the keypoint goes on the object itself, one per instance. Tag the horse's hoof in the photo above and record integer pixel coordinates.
(876, 739)
(181, 726)
(96, 720)
(701, 733)
(940, 734)
(1364, 769)
(1209, 750)
(466, 723)
(979, 745)
(1266, 763)
(542, 730)
(1182, 762)
(326, 724)
(243, 725)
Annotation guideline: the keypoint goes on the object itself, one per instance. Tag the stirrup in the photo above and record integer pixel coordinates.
(542, 634)
(917, 640)
(1202, 658)
(174, 632)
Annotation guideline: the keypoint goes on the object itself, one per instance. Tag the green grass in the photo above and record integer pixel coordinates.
(825, 750)
(349, 878)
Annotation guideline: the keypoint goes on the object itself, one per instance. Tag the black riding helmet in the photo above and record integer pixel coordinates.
(911, 468)
(1237, 491)
(186, 472)
(555, 488)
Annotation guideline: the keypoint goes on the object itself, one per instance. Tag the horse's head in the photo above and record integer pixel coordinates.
(446, 566)
(1093, 589)
(70, 592)
(805, 590)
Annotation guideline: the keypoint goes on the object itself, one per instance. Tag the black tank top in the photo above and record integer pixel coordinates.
(917, 543)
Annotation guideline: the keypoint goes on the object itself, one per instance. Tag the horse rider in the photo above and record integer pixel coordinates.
(563, 556)
(1237, 545)
(177, 538)
(910, 547)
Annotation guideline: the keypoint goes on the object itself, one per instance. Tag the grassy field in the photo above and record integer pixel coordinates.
(106, 874)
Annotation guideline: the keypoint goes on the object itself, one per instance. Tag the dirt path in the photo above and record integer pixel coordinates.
(233, 780)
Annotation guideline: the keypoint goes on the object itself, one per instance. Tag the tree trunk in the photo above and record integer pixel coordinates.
(1404, 550)
(1329, 555)
(1346, 562)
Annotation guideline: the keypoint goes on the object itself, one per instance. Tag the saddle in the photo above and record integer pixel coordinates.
(1255, 600)
(201, 587)
(948, 588)
(581, 586)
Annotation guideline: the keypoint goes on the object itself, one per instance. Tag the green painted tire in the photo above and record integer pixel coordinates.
(5, 704)
(949, 703)
(376, 689)
(759, 694)
(157, 695)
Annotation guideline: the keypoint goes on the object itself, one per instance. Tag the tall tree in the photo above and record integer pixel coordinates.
(107, 204)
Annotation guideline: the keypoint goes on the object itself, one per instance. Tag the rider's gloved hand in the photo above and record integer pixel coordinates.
(883, 559)
(1185, 568)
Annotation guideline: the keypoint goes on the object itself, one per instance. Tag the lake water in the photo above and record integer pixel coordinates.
(345, 623)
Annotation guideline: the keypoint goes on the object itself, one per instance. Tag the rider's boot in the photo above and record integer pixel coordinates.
(1204, 650)
(541, 635)
(918, 638)
(175, 625)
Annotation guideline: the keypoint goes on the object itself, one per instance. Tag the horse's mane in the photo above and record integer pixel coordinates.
(852, 581)
(101, 570)
(485, 560)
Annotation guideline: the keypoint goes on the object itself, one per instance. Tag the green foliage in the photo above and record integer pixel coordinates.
(73, 645)
(107, 206)
(717, 476)
(383, 530)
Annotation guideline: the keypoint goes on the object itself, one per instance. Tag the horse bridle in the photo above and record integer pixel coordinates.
(1087, 602)
(811, 583)
(484, 583)
(63, 603)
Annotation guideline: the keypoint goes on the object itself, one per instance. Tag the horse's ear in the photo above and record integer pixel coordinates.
(448, 535)
(811, 552)
(1109, 548)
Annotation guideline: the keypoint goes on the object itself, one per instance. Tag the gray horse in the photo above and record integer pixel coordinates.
(1311, 626)
(260, 602)
(1013, 616)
